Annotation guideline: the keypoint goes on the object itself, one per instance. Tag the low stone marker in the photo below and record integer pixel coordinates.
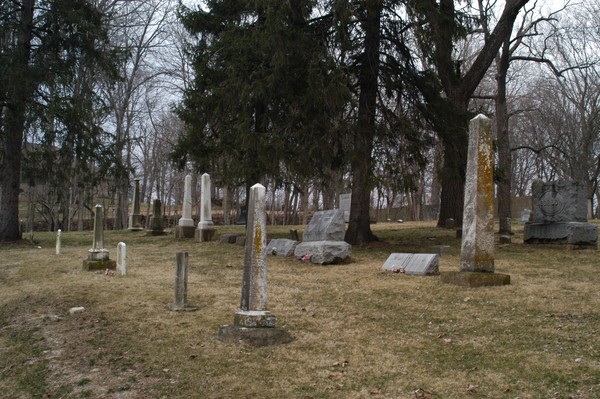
(253, 323)
(560, 215)
(98, 258)
(155, 226)
(477, 250)
(185, 225)
(135, 218)
(121, 259)
(323, 240)
(228, 238)
(281, 247)
(413, 264)
(206, 227)
(181, 282)
(58, 243)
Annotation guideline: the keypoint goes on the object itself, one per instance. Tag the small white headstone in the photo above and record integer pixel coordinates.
(121, 259)
(345, 203)
(58, 244)
(525, 215)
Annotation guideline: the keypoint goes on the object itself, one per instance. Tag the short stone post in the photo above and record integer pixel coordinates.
(155, 226)
(477, 250)
(58, 243)
(98, 258)
(135, 218)
(181, 280)
(253, 322)
(206, 228)
(121, 259)
(185, 226)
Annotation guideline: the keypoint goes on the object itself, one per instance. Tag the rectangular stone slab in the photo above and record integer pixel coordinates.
(326, 226)
(413, 264)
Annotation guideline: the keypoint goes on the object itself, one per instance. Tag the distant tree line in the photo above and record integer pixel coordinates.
(311, 98)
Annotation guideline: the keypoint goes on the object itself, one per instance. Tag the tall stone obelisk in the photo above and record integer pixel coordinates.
(253, 322)
(206, 227)
(477, 250)
(98, 258)
(135, 218)
(185, 226)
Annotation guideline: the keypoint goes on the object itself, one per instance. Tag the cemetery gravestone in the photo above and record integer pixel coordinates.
(135, 218)
(560, 215)
(413, 264)
(58, 241)
(206, 228)
(345, 203)
(181, 284)
(98, 258)
(185, 226)
(253, 323)
(155, 226)
(323, 240)
(477, 249)
(121, 259)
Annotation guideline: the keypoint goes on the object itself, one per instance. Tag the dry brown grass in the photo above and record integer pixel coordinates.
(359, 332)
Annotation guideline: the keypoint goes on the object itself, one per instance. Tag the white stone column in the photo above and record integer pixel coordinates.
(121, 259)
(186, 217)
(206, 228)
(477, 251)
(58, 243)
(205, 205)
(135, 218)
(97, 252)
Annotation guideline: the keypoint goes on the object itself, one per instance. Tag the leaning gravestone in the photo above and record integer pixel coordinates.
(281, 247)
(477, 249)
(560, 215)
(253, 323)
(98, 258)
(323, 240)
(413, 264)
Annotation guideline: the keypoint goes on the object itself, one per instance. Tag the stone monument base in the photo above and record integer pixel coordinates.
(254, 336)
(103, 264)
(254, 319)
(202, 235)
(475, 279)
(185, 231)
(323, 252)
(135, 223)
(185, 308)
(573, 233)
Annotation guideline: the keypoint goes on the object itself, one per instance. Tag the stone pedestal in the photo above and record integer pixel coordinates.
(475, 279)
(573, 233)
(185, 232)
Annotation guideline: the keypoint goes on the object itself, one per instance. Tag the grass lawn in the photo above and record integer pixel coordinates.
(358, 332)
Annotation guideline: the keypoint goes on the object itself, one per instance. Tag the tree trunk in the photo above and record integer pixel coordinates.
(359, 225)
(504, 169)
(20, 87)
